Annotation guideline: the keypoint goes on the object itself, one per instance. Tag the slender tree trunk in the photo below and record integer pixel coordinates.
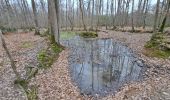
(73, 16)
(133, 29)
(127, 12)
(9, 11)
(107, 14)
(156, 16)
(66, 14)
(165, 18)
(139, 14)
(9, 56)
(145, 13)
(92, 14)
(82, 14)
(35, 18)
(162, 9)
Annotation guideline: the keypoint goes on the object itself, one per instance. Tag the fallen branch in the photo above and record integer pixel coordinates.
(9, 56)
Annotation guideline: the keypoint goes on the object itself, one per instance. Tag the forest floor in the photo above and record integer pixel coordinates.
(55, 83)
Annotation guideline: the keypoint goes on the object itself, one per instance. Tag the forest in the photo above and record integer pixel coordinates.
(84, 49)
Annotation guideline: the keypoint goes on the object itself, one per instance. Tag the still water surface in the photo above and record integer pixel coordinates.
(101, 66)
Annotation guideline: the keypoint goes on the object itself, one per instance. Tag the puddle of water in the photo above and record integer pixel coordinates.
(101, 66)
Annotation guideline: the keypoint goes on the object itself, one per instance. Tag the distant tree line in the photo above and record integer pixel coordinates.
(86, 14)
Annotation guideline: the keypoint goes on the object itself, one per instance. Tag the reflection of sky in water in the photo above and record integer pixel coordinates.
(100, 66)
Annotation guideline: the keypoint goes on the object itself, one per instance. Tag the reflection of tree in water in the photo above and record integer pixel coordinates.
(101, 65)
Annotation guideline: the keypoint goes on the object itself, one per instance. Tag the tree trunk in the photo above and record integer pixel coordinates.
(156, 16)
(133, 29)
(107, 14)
(82, 15)
(92, 14)
(165, 18)
(145, 13)
(54, 24)
(35, 18)
(14, 68)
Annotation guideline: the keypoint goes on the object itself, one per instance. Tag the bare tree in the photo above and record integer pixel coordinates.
(145, 13)
(35, 18)
(92, 14)
(132, 16)
(9, 56)
(107, 11)
(82, 14)
(156, 15)
(165, 18)
(54, 23)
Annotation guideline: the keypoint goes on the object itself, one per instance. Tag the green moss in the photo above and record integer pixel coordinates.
(56, 48)
(156, 41)
(157, 53)
(46, 57)
(22, 82)
(32, 93)
(89, 34)
(52, 38)
(154, 47)
(6, 29)
(26, 45)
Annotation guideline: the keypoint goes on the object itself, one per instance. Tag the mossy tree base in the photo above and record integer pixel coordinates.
(47, 57)
(156, 47)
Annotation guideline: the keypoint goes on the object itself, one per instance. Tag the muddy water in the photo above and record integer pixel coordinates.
(101, 66)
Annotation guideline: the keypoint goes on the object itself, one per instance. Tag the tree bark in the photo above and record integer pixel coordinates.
(156, 16)
(92, 14)
(165, 18)
(82, 14)
(9, 56)
(35, 18)
(133, 29)
(54, 17)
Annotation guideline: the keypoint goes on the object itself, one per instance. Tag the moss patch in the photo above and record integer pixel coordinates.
(154, 47)
(30, 91)
(22, 82)
(88, 34)
(44, 59)
(26, 45)
(157, 53)
(6, 29)
(47, 57)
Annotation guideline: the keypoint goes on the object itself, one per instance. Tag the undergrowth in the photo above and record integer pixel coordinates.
(45, 60)
(47, 57)
(5, 29)
(30, 91)
(26, 44)
(88, 34)
(155, 47)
